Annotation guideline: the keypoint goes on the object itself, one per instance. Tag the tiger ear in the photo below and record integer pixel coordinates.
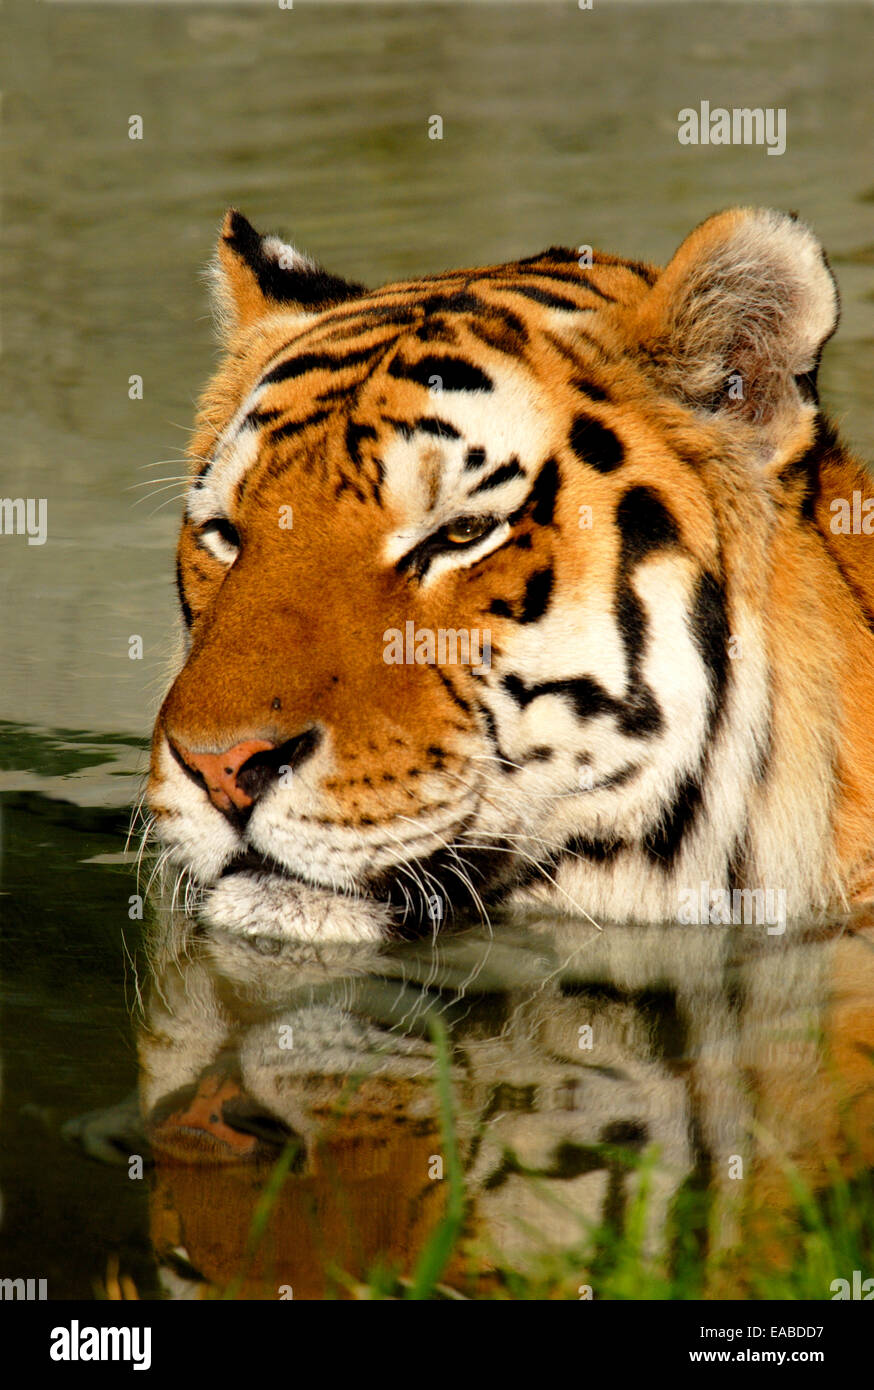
(735, 324)
(254, 275)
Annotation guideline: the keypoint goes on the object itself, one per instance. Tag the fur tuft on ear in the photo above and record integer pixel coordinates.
(254, 275)
(736, 322)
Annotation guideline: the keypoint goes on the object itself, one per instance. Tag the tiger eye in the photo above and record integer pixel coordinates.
(466, 529)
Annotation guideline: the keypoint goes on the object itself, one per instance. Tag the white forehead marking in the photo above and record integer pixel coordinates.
(426, 482)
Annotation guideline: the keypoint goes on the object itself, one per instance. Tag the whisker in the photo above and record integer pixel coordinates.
(150, 482)
(161, 505)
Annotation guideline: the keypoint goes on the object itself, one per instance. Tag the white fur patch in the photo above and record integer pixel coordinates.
(426, 483)
(256, 904)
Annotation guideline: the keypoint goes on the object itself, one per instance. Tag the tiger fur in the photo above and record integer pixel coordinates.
(621, 476)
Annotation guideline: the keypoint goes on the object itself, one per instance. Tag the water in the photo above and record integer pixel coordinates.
(559, 126)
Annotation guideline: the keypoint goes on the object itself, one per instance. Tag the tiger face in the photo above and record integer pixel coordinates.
(519, 582)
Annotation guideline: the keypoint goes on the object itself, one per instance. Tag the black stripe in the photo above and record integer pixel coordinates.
(568, 277)
(588, 388)
(534, 603)
(256, 418)
(429, 424)
(604, 352)
(403, 427)
(645, 272)
(540, 502)
(292, 427)
(457, 699)
(315, 362)
(492, 729)
(826, 442)
(187, 615)
(544, 493)
(474, 458)
(515, 329)
(637, 715)
(513, 469)
(552, 253)
(380, 477)
(464, 301)
(498, 336)
(804, 473)
(595, 444)
(343, 392)
(544, 297)
(437, 329)
(618, 779)
(641, 713)
(735, 875)
(455, 373)
(765, 744)
(276, 467)
(355, 433)
(859, 596)
(459, 301)
(455, 302)
(347, 485)
(645, 524)
(347, 321)
(664, 842)
(572, 354)
(710, 632)
(600, 851)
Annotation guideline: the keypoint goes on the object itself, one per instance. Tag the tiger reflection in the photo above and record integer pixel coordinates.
(718, 1057)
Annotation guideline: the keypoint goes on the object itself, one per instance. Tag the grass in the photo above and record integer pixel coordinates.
(787, 1253)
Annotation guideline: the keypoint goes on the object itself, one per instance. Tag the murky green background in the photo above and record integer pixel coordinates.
(559, 126)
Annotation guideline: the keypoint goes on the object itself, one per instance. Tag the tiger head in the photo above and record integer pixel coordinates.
(519, 581)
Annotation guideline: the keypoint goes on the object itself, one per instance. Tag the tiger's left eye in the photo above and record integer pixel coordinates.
(467, 529)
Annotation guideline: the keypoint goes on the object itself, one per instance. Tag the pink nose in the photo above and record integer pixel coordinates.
(220, 771)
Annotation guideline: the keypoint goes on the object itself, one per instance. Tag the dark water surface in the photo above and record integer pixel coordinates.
(560, 127)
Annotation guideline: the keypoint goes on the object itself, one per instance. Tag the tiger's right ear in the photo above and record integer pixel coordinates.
(254, 275)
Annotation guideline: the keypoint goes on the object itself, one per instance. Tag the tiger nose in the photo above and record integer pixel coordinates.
(221, 772)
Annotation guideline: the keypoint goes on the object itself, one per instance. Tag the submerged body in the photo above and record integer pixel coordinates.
(529, 582)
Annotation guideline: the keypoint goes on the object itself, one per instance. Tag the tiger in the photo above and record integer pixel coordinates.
(617, 483)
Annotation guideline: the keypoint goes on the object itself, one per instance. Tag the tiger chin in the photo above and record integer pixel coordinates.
(619, 477)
